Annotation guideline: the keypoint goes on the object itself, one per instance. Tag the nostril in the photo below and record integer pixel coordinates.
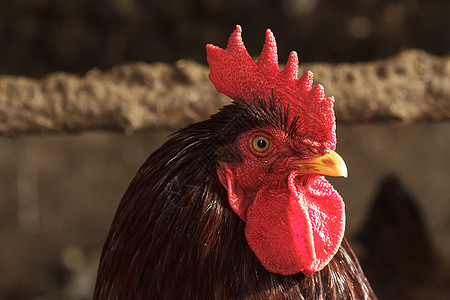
(314, 150)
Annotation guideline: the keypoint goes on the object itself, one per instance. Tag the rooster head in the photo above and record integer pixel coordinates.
(294, 219)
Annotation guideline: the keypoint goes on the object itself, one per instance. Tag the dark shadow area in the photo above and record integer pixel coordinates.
(42, 36)
(400, 257)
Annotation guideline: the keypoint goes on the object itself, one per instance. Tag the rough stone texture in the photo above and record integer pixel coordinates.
(128, 98)
(409, 87)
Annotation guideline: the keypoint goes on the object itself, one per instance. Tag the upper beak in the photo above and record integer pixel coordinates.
(330, 164)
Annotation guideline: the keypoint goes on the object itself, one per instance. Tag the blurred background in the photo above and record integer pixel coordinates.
(58, 193)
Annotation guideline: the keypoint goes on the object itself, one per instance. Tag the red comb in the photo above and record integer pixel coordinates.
(235, 74)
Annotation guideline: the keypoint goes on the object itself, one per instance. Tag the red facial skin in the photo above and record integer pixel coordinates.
(295, 221)
(258, 169)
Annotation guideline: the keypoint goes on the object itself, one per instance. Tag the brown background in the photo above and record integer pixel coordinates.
(58, 193)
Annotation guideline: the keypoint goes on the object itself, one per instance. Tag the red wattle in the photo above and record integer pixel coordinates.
(296, 229)
(326, 211)
(279, 232)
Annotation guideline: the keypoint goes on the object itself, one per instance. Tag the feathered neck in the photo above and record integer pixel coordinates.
(174, 235)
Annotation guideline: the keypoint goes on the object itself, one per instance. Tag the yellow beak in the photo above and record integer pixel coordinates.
(330, 164)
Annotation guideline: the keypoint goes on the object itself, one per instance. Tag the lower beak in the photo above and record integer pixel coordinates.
(330, 164)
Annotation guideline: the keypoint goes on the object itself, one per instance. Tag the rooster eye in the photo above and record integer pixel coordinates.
(260, 144)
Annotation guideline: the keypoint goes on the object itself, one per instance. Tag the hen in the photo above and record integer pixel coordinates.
(237, 207)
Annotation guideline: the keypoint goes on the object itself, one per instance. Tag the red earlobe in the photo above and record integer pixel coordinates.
(236, 197)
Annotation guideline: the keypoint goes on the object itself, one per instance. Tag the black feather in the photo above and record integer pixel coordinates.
(174, 235)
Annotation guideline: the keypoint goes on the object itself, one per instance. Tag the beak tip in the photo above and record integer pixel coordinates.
(340, 165)
(344, 171)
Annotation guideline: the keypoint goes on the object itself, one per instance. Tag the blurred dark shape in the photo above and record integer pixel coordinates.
(42, 36)
(400, 258)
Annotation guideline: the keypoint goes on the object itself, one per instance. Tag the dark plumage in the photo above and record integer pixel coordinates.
(175, 236)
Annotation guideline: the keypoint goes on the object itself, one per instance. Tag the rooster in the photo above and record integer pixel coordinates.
(237, 206)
